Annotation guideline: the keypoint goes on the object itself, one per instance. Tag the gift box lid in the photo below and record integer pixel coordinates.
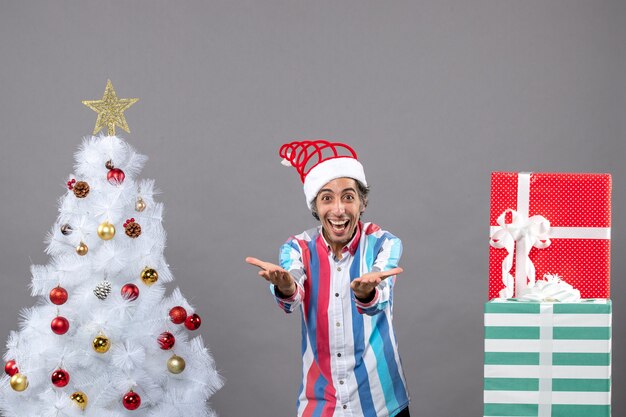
(566, 199)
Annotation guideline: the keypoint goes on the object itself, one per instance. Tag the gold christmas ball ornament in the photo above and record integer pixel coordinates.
(101, 343)
(175, 364)
(80, 399)
(149, 276)
(82, 249)
(106, 231)
(19, 382)
(140, 205)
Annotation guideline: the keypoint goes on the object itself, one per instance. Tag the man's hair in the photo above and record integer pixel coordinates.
(361, 190)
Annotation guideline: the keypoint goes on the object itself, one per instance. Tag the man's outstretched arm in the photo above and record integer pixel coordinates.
(276, 275)
(372, 290)
(286, 288)
(364, 287)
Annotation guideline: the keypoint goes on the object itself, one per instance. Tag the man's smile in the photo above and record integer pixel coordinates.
(339, 226)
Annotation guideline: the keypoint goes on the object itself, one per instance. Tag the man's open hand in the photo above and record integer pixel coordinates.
(365, 284)
(276, 275)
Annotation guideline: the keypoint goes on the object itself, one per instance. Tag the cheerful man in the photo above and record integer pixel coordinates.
(341, 275)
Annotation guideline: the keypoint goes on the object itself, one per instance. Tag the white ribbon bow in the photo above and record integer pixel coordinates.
(550, 289)
(527, 233)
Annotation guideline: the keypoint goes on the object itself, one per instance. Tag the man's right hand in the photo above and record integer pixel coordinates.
(276, 275)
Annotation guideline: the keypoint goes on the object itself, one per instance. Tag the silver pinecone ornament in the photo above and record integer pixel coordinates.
(103, 290)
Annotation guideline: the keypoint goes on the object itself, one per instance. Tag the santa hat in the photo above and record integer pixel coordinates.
(320, 161)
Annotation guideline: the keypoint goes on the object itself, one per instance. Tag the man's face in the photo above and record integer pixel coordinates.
(339, 209)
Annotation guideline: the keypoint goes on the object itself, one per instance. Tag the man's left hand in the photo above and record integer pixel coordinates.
(365, 284)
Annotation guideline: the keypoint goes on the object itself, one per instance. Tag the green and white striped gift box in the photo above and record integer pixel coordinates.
(547, 359)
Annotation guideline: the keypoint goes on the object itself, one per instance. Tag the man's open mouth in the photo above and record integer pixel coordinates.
(339, 226)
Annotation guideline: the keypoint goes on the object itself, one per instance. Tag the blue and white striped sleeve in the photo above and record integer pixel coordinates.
(388, 257)
(290, 258)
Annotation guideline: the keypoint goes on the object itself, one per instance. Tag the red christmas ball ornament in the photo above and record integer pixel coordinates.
(166, 340)
(193, 322)
(58, 295)
(130, 292)
(60, 378)
(131, 400)
(116, 176)
(11, 367)
(60, 325)
(178, 314)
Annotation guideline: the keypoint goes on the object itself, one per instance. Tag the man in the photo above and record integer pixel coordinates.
(341, 276)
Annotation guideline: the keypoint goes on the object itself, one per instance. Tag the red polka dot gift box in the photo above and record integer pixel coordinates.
(550, 223)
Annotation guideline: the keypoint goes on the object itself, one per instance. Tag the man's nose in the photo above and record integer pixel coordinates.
(339, 207)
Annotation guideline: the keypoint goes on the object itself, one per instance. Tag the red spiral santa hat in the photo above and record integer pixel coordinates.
(320, 161)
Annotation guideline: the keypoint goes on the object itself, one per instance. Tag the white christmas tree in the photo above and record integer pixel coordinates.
(104, 339)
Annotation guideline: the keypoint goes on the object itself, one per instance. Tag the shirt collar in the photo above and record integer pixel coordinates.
(351, 246)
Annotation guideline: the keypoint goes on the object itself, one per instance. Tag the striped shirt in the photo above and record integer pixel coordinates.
(350, 361)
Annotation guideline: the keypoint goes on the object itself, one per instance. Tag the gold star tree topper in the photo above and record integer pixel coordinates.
(110, 110)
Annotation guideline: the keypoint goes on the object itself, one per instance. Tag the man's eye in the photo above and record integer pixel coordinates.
(325, 198)
(349, 197)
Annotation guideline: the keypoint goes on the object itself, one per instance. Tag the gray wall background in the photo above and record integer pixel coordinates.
(434, 95)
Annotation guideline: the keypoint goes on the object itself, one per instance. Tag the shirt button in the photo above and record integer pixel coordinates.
(339, 268)
(338, 324)
(345, 406)
(341, 382)
(339, 355)
(336, 294)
